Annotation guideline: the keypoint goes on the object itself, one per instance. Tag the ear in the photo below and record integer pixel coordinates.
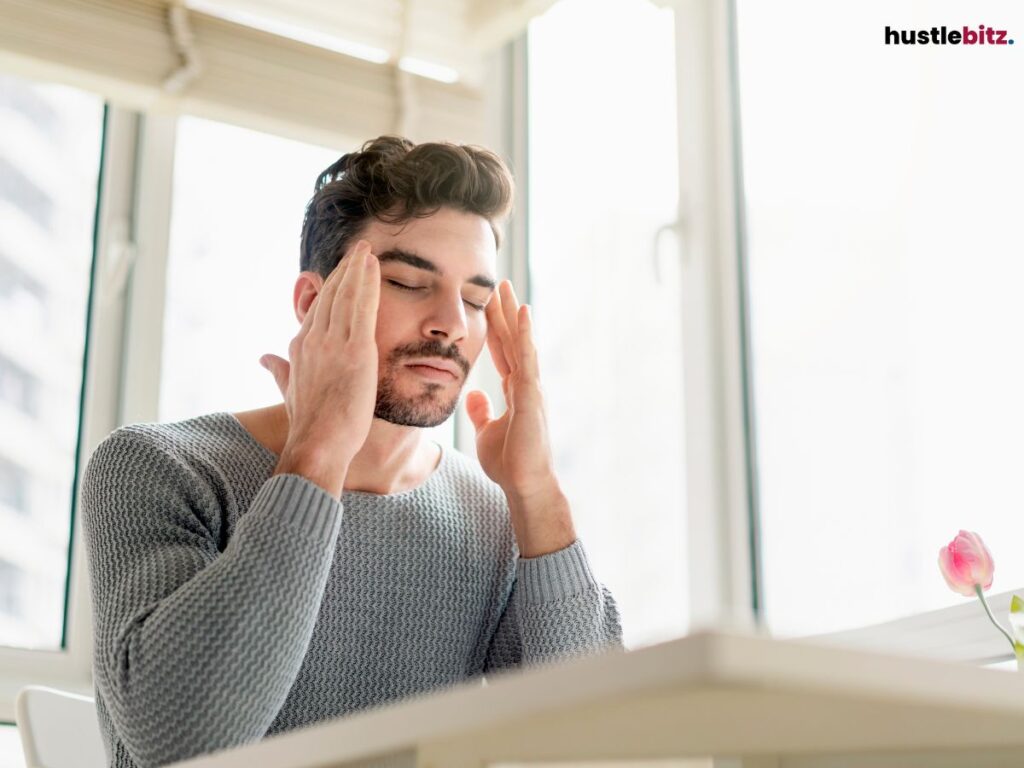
(307, 288)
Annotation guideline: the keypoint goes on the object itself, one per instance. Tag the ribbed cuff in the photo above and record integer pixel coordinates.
(556, 574)
(302, 504)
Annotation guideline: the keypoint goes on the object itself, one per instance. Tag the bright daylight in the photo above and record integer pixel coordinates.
(477, 383)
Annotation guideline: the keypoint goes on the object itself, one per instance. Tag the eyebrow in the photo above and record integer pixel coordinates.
(414, 260)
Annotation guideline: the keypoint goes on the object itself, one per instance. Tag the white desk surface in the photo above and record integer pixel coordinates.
(746, 700)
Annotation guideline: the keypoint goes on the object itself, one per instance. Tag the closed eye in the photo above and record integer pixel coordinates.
(477, 307)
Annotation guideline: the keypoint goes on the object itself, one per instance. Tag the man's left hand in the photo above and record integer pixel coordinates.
(514, 450)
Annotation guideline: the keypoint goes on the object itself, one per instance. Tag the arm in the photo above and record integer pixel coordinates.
(556, 609)
(196, 649)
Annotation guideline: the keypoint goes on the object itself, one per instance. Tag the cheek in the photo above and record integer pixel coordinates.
(388, 333)
(387, 337)
(477, 340)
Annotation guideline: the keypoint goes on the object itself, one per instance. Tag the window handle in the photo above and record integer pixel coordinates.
(678, 227)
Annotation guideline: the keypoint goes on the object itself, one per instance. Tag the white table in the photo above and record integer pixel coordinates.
(747, 701)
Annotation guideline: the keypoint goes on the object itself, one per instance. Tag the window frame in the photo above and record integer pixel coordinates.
(723, 548)
(69, 667)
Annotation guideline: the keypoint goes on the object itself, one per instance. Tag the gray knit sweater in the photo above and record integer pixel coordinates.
(230, 604)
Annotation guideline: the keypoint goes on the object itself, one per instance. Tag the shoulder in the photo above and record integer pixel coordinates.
(152, 453)
(183, 437)
(162, 468)
(143, 489)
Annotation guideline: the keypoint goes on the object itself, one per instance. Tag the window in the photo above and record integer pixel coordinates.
(13, 487)
(49, 165)
(883, 202)
(603, 181)
(18, 189)
(239, 197)
(10, 589)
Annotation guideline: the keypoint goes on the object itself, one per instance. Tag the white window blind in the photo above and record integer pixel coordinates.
(270, 82)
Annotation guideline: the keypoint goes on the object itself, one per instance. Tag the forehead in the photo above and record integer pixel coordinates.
(454, 241)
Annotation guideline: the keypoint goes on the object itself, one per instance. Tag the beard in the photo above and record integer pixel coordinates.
(406, 400)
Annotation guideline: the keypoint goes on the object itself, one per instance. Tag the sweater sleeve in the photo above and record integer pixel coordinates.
(556, 609)
(195, 649)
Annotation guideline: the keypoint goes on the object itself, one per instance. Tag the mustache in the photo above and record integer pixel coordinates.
(430, 349)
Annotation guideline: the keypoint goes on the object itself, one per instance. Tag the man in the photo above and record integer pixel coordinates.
(260, 571)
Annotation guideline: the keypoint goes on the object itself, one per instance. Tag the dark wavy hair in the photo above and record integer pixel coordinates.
(394, 180)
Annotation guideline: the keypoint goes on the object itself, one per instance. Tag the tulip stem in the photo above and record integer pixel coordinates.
(981, 596)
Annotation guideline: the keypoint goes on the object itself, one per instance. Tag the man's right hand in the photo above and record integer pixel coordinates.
(330, 384)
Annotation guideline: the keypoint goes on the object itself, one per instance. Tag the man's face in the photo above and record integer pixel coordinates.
(447, 263)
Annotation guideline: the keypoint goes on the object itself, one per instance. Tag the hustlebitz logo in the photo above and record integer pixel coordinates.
(947, 36)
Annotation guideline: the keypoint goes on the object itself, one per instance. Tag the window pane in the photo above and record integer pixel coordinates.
(883, 198)
(603, 180)
(49, 165)
(239, 199)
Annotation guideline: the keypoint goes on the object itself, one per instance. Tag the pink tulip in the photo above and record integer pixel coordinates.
(965, 563)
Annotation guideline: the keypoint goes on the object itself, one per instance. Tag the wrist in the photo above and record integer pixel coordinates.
(542, 521)
(317, 464)
(541, 492)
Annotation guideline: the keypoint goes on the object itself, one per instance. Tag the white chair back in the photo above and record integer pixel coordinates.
(58, 729)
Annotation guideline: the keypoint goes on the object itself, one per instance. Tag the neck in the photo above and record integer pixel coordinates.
(392, 459)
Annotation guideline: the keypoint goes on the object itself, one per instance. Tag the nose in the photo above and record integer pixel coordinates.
(447, 320)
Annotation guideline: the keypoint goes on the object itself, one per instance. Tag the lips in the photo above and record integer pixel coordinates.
(438, 365)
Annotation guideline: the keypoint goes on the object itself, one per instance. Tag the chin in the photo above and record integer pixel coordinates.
(416, 408)
(407, 398)
(414, 418)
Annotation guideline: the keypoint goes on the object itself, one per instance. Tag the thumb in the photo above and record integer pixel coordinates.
(279, 368)
(478, 407)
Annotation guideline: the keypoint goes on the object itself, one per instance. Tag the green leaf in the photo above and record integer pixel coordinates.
(1017, 620)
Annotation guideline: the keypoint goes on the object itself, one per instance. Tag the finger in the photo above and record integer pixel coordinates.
(527, 349)
(279, 369)
(321, 309)
(510, 307)
(478, 406)
(328, 291)
(346, 308)
(345, 294)
(497, 352)
(364, 305)
(496, 319)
